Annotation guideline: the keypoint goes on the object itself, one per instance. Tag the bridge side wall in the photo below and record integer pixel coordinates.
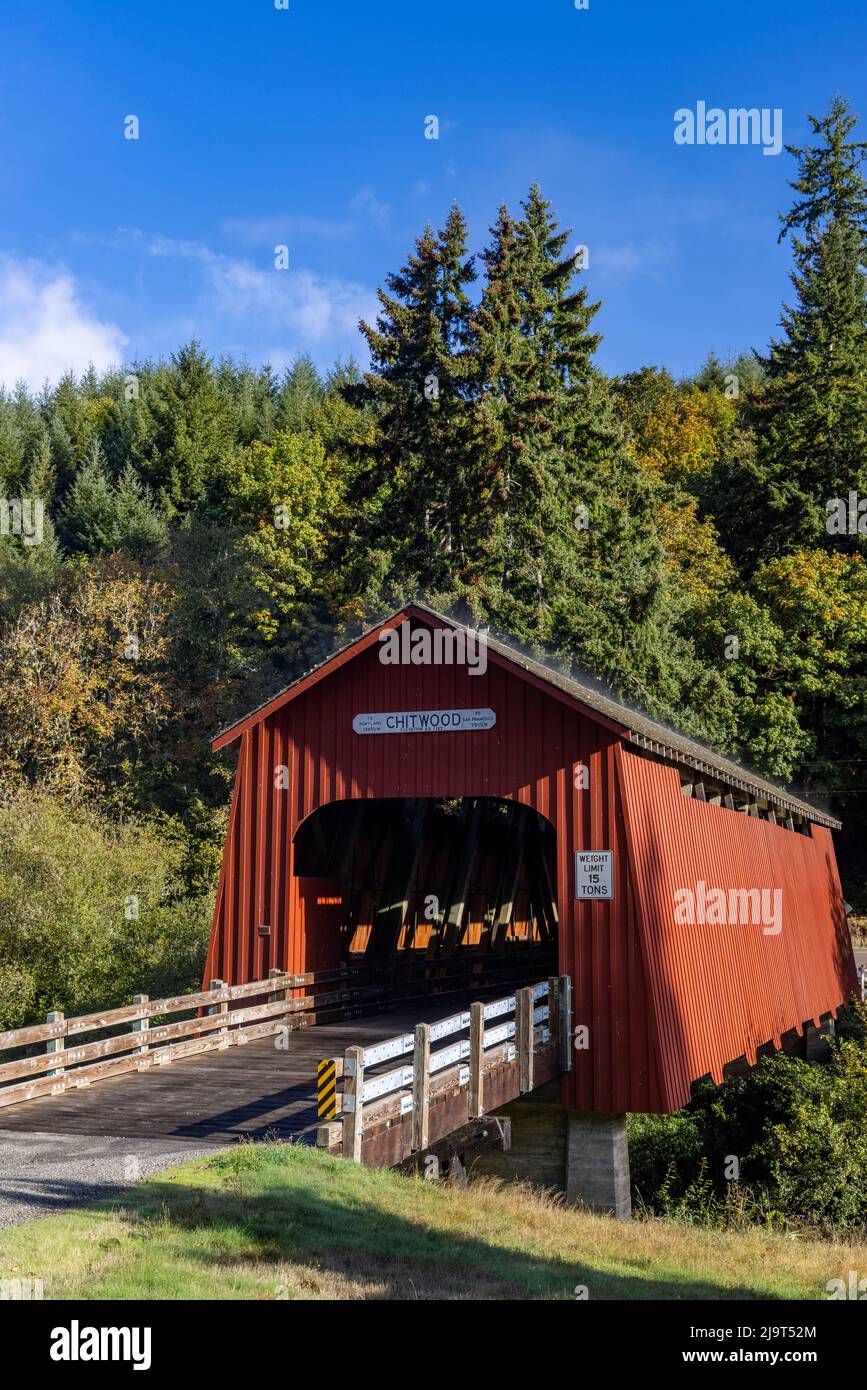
(722, 989)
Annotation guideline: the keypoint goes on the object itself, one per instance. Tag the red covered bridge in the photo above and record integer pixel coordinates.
(427, 822)
(387, 779)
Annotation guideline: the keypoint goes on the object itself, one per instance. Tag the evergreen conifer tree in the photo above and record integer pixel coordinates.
(415, 492)
(812, 420)
(574, 561)
(183, 428)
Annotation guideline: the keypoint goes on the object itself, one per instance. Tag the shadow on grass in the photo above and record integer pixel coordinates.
(23, 1200)
(349, 1236)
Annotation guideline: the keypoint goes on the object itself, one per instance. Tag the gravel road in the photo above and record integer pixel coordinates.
(41, 1173)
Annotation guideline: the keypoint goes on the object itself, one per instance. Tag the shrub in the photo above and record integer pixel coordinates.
(92, 911)
(797, 1129)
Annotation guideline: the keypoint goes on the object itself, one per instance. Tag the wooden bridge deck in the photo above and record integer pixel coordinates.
(254, 1091)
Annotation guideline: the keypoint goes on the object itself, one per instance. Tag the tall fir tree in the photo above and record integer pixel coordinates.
(183, 428)
(102, 515)
(574, 560)
(301, 391)
(812, 417)
(414, 492)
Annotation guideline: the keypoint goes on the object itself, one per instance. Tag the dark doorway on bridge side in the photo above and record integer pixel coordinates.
(444, 884)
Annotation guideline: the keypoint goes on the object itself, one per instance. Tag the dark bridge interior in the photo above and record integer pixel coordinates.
(424, 880)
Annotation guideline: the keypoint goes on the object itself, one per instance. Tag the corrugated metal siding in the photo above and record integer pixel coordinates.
(721, 991)
(602, 951)
(663, 1006)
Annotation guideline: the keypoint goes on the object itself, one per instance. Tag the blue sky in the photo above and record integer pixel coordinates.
(305, 127)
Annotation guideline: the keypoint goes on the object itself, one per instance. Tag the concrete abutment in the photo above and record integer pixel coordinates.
(582, 1155)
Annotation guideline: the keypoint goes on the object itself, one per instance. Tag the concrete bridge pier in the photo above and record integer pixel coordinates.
(581, 1155)
(597, 1163)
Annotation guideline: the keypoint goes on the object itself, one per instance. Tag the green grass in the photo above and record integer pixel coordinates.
(273, 1221)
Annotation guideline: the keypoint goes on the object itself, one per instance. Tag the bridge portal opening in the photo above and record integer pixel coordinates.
(430, 889)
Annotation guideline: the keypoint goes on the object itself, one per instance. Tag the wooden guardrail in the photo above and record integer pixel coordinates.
(63, 1067)
(496, 1051)
(219, 1019)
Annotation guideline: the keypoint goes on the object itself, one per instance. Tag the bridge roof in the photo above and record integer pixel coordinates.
(634, 726)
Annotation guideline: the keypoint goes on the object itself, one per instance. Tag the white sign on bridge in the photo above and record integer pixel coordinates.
(594, 874)
(424, 721)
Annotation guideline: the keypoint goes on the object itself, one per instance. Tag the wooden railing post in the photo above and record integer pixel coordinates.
(421, 1087)
(477, 1058)
(55, 1044)
(565, 1019)
(221, 1008)
(278, 993)
(353, 1092)
(554, 1011)
(520, 1028)
(141, 1025)
(524, 1038)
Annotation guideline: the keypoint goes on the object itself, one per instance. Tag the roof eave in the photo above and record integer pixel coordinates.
(564, 688)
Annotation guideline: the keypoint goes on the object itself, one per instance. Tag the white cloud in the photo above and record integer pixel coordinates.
(365, 207)
(45, 329)
(631, 258)
(318, 309)
(268, 231)
(366, 204)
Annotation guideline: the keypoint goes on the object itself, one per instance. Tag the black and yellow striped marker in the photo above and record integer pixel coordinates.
(327, 1089)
